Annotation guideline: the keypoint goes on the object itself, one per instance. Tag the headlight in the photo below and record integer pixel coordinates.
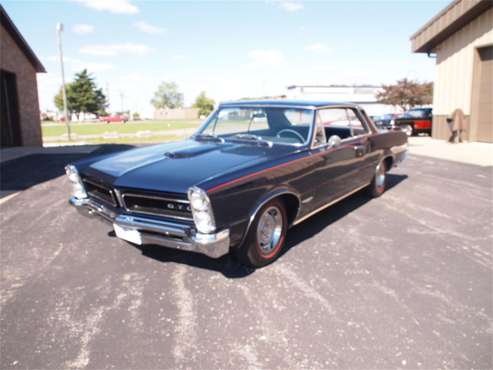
(78, 190)
(201, 210)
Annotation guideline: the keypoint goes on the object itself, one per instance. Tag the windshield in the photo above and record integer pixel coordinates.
(276, 125)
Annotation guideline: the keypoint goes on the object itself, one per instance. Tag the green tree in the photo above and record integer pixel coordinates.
(83, 96)
(167, 96)
(406, 93)
(205, 104)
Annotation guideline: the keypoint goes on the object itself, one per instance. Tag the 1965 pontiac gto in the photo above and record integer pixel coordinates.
(252, 170)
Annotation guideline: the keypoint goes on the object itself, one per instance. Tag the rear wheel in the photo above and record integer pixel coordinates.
(266, 235)
(377, 186)
(408, 129)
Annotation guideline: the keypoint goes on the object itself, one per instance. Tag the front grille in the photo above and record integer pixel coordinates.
(100, 192)
(157, 205)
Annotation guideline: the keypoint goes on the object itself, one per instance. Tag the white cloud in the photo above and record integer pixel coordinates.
(78, 65)
(112, 6)
(317, 47)
(110, 50)
(266, 57)
(149, 28)
(83, 29)
(290, 5)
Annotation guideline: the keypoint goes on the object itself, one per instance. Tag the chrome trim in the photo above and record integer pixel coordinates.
(296, 222)
(158, 232)
(175, 236)
(157, 198)
(88, 207)
(118, 195)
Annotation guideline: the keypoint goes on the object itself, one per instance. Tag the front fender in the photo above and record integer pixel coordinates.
(264, 199)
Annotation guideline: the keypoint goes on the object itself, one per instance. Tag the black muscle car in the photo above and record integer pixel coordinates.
(251, 171)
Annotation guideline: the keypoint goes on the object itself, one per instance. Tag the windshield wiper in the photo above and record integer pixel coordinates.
(252, 138)
(208, 137)
(248, 137)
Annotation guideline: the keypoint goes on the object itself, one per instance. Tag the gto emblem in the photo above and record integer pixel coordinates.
(178, 207)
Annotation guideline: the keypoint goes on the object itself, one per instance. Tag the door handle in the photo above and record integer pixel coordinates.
(359, 150)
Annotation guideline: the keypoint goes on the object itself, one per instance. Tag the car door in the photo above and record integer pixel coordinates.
(333, 158)
(348, 165)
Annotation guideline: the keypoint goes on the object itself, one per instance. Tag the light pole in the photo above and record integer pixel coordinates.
(59, 30)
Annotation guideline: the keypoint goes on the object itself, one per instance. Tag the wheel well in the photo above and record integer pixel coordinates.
(292, 204)
(389, 162)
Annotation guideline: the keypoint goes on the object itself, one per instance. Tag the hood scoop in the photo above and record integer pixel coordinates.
(190, 152)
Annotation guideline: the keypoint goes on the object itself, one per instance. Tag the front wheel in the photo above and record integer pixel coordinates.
(266, 235)
(377, 186)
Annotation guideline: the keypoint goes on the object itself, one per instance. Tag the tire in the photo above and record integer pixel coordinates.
(379, 181)
(408, 129)
(266, 235)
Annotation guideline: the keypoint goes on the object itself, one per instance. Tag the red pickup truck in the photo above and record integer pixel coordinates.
(414, 121)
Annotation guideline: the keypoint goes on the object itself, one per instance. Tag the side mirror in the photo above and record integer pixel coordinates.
(334, 141)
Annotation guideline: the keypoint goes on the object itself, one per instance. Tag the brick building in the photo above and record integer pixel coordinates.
(19, 105)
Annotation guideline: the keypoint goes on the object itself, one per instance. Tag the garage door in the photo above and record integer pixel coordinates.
(485, 95)
(10, 134)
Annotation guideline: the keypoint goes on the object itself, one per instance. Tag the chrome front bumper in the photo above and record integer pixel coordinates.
(146, 230)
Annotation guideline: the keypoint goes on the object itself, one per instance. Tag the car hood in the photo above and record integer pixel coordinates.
(175, 167)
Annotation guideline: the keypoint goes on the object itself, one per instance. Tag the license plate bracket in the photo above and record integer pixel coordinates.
(130, 235)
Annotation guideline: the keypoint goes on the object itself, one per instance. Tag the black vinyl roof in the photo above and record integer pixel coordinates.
(284, 103)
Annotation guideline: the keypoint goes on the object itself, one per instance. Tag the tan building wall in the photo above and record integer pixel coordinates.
(182, 113)
(12, 59)
(456, 60)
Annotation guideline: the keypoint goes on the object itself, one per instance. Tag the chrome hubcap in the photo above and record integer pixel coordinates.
(380, 177)
(269, 229)
(408, 130)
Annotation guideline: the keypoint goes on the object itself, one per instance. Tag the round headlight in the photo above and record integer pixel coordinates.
(198, 202)
(201, 210)
(72, 173)
(78, 190)
(203, 222)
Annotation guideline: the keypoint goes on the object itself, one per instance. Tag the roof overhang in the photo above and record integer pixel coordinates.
(448, 21)
(10, 27)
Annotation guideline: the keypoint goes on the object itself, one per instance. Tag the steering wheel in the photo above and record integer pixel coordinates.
(293, 132)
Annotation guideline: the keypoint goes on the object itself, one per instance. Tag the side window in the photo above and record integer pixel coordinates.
(333, 117)
(355, 125)
(342, 122)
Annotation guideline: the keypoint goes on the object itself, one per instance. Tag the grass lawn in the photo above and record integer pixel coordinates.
(51, 129)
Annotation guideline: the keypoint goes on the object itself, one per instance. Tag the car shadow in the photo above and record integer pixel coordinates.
(30, 170)
(231, 268)
(226, 265)
(328, 216)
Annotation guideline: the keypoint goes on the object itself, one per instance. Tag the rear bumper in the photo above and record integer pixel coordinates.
(399, 153)
(145, 230)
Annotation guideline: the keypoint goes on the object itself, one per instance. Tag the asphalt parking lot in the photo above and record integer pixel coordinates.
(403, 281)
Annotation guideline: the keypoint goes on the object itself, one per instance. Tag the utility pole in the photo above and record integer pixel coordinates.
(122, 97)
(59, 29)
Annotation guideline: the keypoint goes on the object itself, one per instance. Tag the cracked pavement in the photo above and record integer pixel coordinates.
(402, 281)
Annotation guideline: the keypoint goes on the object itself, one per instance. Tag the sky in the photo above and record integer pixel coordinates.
(230, 49)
